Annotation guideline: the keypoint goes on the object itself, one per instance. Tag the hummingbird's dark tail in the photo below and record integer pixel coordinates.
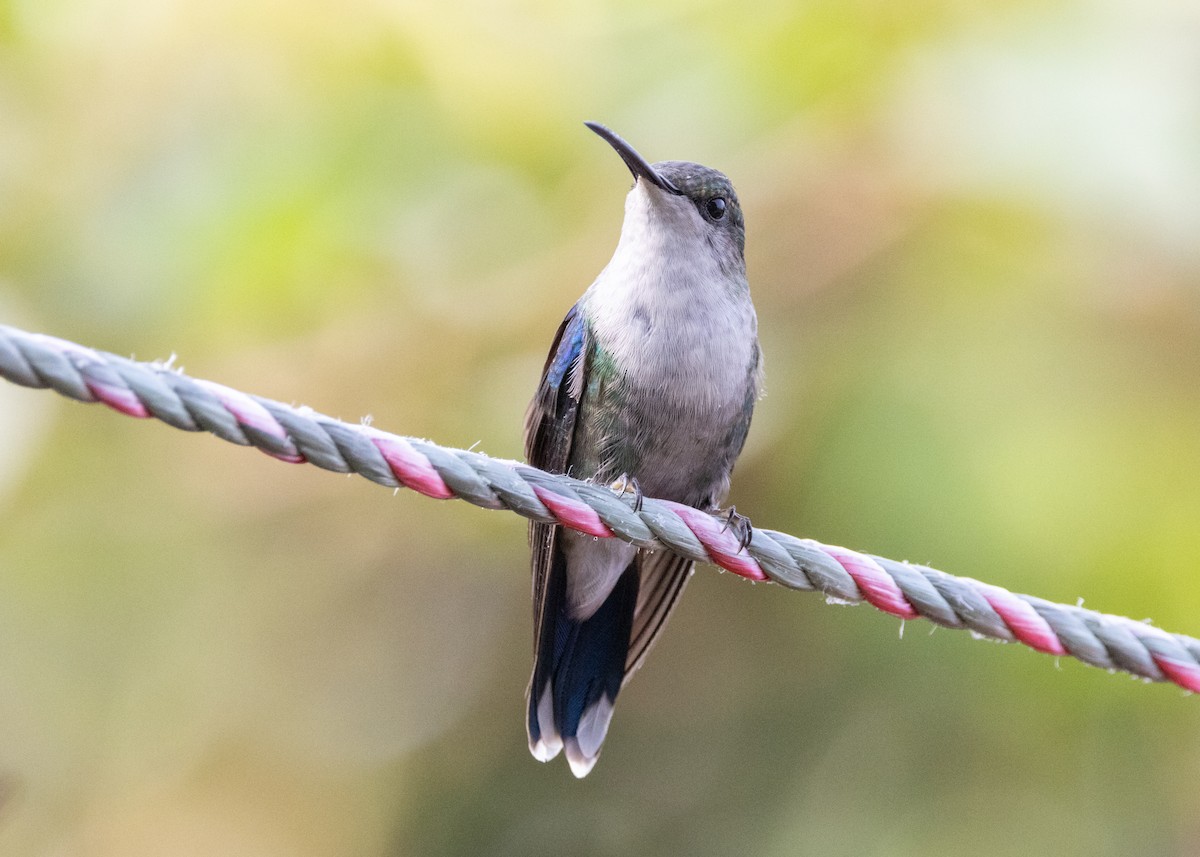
(579, 666)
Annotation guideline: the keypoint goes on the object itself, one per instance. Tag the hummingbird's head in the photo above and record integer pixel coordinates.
(697, 204)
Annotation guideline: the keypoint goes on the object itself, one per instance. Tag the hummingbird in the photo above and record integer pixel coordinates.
(650, 383)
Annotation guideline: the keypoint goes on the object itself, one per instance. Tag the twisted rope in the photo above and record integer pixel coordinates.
(301, 435)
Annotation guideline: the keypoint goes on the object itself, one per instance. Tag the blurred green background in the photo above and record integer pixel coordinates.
(973, 242)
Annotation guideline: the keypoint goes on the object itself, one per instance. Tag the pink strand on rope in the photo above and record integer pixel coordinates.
(877, 586)
(253, 415)
(1184, 675)
(120, 399)
(1020, 617)
(410, 468)
(721, 542)
(573, 514)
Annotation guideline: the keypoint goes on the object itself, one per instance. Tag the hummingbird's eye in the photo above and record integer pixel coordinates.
(715, 208)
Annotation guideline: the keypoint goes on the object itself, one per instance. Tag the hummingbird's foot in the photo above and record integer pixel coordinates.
(740, 525)
(623, 484)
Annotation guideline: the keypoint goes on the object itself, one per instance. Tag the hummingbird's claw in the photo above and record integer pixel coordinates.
(621, 486)
(741, 525)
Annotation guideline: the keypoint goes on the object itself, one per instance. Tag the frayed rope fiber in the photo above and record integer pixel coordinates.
(300, 435)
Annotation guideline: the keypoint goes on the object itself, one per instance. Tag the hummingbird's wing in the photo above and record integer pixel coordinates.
(550, 420)
(578, 662)
(662, 578)
(550, 430)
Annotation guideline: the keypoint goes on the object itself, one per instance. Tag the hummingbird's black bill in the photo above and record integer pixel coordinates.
(638, 165)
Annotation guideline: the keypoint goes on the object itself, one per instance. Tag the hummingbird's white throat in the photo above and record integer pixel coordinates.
(670, 314)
